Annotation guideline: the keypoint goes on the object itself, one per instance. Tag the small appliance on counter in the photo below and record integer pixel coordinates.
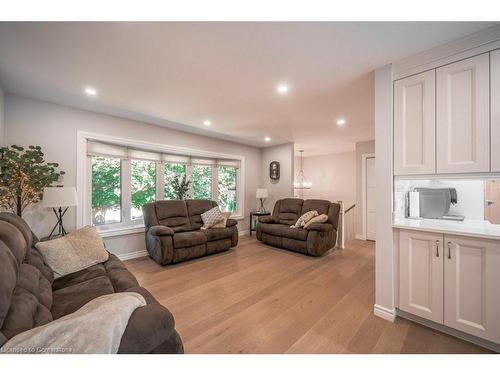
(432, 203)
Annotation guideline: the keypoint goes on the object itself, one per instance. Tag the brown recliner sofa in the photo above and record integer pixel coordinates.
(316, 240)
(30, 297)
(173, 231)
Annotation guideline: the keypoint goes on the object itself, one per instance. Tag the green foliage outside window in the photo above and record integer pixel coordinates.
(227, 188)
(202, 181)
(176, 183)
(143, 189)
(106, 188)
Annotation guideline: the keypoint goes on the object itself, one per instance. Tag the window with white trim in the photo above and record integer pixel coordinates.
(123, 179)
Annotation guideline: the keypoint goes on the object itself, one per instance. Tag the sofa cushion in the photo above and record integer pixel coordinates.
(79, 277)
(191, 252)
(121, 278)
(9, 269)
(283, 230)
(173, 214)
(214, 234)
(68, 300)
(195, 207)
(319, 205)
(288, 210)
(212, 217)
(188, 239)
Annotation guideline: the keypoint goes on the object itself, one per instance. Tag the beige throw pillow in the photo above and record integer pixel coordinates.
(211, 217)
(73, 252)
(222, 224)
(318, 219)
(304, 219)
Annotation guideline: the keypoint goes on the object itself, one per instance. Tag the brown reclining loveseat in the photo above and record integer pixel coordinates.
(316, 240)
(173, 231)
(30, 297)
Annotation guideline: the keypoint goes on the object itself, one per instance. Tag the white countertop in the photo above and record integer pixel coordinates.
(471, 228)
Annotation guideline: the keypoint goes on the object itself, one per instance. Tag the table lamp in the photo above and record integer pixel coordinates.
(262, 195)
(59, 197)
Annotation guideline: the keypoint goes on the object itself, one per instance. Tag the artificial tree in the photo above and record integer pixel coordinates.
(180, 186)
(23, 175)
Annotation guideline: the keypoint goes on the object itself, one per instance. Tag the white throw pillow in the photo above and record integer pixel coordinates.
(211, 217)
(73, 252)
(318, 219)
(304, 219)
(222, 224)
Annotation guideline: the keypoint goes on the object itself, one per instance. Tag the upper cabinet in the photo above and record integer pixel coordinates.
(495, 110)
(463, 126)
(442, 119)
(414, 124)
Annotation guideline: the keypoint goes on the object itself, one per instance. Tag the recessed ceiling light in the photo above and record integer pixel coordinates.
(341, 122)
(207, 123)
(267, 139)
(90, 91)
(282, 88)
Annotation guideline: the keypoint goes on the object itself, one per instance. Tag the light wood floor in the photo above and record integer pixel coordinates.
(259, 299)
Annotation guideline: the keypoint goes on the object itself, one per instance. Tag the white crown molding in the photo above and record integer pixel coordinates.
(384, 312)
(471, 45)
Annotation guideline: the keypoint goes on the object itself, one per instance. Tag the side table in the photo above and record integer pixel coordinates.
(257, 214)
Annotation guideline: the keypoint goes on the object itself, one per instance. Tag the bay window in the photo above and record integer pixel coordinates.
(122, 179)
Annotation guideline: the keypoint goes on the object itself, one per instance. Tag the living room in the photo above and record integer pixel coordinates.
(249, 188)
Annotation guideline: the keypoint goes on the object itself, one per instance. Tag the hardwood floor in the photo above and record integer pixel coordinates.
(259, 299)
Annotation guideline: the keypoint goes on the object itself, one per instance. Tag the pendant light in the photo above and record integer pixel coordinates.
(300, 181)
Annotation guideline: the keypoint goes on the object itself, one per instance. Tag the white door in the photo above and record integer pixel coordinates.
(463, 126)
(472, 286)
(421, 274)
(370, 215)
(495, 110)
(415, 124)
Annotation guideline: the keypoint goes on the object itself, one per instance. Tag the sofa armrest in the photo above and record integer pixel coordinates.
(161, 230)
(268, 220)
(231, 223)
(320, 227)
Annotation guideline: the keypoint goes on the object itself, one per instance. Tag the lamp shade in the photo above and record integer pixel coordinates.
(261, 193)
(59, 196)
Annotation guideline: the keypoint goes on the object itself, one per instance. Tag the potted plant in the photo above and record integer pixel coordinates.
(23, 176)
(180, 186)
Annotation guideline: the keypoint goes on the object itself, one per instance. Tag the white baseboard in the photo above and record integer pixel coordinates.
(359, 237)
(132, 255)
(244, 232)
(384, 313)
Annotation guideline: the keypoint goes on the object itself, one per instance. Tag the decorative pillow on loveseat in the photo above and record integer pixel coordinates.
(211, 218)
(222, 224)
(320, 219)
(304, 219)
(73, 252)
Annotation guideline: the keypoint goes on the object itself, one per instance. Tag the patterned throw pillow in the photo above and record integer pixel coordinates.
(222, 224)
(304, 219)
(211, 217)
(318, 219)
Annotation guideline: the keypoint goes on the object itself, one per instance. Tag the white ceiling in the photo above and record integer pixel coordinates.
(178, 74)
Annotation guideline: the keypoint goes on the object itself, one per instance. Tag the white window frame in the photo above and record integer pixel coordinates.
(84, 180)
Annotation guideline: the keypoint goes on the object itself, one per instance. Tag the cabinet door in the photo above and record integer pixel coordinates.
(421, 274)
(414, 124)
(472, 286)
(495, 110)
(463, 127)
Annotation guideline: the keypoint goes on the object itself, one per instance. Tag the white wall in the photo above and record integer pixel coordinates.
(2, 122)
(54, 128)
(283, 188)
(333, 177)
(367, 147)
(385, 260)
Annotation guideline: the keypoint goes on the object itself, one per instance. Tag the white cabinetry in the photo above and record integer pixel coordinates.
(451, 280)
(495, 110)
(414, 124)
(463, 127)
(421, 274)
(472, 286)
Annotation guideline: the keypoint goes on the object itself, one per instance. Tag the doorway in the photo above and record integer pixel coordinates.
(369, 216)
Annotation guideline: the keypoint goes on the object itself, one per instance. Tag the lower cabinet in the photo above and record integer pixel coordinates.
(451, 280)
